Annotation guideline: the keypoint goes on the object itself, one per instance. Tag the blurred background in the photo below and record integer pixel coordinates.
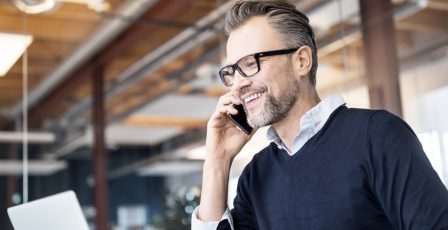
(110, 98)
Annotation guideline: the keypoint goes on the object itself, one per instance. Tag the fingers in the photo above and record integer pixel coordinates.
(228, 98)
(226, 103)
(227, 109)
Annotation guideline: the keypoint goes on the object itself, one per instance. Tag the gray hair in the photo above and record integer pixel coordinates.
(292, 25)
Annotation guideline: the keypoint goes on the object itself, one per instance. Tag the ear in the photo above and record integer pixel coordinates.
(302, 60)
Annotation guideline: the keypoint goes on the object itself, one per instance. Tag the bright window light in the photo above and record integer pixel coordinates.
(431, 145)
(12, 46)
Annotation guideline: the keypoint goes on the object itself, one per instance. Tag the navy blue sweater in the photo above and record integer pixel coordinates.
(364, 169)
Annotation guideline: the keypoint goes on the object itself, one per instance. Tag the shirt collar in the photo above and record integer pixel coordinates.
(314, 119)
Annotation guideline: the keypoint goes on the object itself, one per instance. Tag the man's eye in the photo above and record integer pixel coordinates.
(250, 64)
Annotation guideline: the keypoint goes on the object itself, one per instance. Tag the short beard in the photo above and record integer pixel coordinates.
(276, 109)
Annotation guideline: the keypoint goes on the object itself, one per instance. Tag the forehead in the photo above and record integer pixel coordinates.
(256, 35)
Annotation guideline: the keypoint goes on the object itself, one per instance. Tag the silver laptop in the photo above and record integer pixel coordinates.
(56, 212)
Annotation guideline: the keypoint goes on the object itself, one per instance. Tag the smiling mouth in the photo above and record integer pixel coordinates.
(253, 97)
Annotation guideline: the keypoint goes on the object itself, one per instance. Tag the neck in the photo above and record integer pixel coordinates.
(288, 127)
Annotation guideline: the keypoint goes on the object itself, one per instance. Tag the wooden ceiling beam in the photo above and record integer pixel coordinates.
(16, 79)
(46, 28)
(65, 11)
(438, 5)
(163, 10)
(151, 92)
(51, 48)
(425, 21)
(36, 70)
(120, 64)
(76, 12)
(141, 120)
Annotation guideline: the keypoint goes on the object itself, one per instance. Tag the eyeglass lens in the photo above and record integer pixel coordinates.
(247, 67)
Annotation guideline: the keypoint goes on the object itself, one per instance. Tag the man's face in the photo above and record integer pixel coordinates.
(269, 95)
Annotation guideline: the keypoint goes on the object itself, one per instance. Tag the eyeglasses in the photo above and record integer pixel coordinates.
(248, 65)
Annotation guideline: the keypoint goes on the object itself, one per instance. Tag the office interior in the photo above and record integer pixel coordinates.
(110, 98)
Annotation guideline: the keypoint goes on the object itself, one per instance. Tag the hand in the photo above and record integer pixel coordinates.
(224, 139)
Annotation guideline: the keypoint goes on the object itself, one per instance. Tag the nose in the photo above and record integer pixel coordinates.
(240, 82)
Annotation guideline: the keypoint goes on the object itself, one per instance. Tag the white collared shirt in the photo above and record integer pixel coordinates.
(310, 123)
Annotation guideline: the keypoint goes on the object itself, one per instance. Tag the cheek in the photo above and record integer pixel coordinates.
(272, 78)
(275, 84)
(268, 77)
(275, 89)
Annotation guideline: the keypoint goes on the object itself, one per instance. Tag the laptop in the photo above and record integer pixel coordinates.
(56, 212)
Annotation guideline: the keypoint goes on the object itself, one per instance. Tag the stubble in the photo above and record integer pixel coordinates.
(277, 108)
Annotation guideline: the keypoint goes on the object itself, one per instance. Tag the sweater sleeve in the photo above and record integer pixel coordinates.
(401, 176)
(243, 215)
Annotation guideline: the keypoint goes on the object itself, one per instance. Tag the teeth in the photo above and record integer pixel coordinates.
(252, 97)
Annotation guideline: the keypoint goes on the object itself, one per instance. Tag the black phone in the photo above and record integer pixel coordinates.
(241, 119)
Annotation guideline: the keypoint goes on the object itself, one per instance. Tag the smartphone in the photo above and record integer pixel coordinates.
(241, 119)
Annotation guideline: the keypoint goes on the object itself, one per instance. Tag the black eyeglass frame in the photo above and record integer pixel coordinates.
(257, 57)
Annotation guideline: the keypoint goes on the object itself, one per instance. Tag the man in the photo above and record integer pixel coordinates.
(328, 166)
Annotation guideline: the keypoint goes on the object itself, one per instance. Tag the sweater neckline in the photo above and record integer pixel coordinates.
(309, 144)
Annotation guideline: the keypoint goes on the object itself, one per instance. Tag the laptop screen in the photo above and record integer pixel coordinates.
(56, 212)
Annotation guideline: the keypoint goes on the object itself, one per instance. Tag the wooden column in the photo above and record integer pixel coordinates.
(381, 55)
(99, 150)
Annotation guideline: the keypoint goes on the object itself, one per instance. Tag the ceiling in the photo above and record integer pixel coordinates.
(160, 60)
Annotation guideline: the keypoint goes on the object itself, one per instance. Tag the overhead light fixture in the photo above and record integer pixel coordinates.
(35, 6)
(35, 167)
(96, 5)
(12, 46)
(42, 6)
(33, 137)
